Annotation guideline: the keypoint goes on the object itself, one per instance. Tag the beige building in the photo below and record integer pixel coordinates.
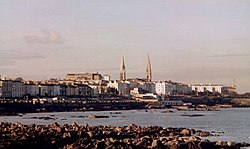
(83, 76)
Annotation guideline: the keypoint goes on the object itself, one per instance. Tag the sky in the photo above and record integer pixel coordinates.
(189, 41)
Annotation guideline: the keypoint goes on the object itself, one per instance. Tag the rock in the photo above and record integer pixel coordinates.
(204, 134)
(231, 144)
(74, 124)
(55, 124)
(100, 145)
(193, 138)
(90, 133)
(66, 134)
(156, 144)
(206, 145)
(84, 136)
(185, 132)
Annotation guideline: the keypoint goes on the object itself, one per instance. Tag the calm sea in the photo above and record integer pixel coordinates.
(230, 124)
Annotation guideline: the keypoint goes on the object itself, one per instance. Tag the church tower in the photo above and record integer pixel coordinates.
(148, 70)
(122, 70)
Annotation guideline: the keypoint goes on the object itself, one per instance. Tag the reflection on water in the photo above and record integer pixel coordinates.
(230, 124)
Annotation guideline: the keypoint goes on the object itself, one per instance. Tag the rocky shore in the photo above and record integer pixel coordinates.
(99, 137)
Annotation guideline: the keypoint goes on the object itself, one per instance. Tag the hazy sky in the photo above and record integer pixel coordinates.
(190, 41)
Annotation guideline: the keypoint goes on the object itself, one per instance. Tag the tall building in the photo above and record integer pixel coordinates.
(122, 70)
(148, 70)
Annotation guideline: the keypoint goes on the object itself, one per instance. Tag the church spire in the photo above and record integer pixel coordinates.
(148, 70)
(122, 70)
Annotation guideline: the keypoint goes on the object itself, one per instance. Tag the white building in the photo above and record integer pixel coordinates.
(121, 86)
(207, 87)
(164, 88)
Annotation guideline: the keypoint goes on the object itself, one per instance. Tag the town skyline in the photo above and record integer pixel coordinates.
(191, 42)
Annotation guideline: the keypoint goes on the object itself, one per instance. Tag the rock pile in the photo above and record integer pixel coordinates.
(100, 137)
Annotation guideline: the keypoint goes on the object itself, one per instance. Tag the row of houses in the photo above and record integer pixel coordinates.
(16, 88)
(94, 84)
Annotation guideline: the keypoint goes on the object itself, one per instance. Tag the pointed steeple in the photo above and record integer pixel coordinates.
(122, 70)
(148, 70)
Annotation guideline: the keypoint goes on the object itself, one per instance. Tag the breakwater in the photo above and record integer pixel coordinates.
(85, 136)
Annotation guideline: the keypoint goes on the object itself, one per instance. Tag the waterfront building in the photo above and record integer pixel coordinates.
(31, 89)
(122, 70)
(63, 88)
(12, 88)
(148, 70)
(183, 89)
(213, 88)
(53, 90)
(71, 90)
(149, 87)
(6, 86)
(165, 88)
(229, 90)
(43, 90)
(84, 90)
(122, 86)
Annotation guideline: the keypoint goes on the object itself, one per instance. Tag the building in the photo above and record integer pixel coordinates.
(122, 70)
(6, 86)
(53, 90)
(31, 89)
(230, 90)
(12, 88)
(148, 70)
(43, 90)
(213, 88)
(106, 78)
(63, 89)
(183, 89)
(17, 89)
(84, 90)
(165, 88)
(72, 90)
(122, 87)
(83, 76)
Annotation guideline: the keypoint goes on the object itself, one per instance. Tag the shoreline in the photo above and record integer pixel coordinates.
(85, 136)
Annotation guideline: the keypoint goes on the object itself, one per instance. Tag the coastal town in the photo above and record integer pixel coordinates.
(95, 89)
(127, 74)
(87, 85)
